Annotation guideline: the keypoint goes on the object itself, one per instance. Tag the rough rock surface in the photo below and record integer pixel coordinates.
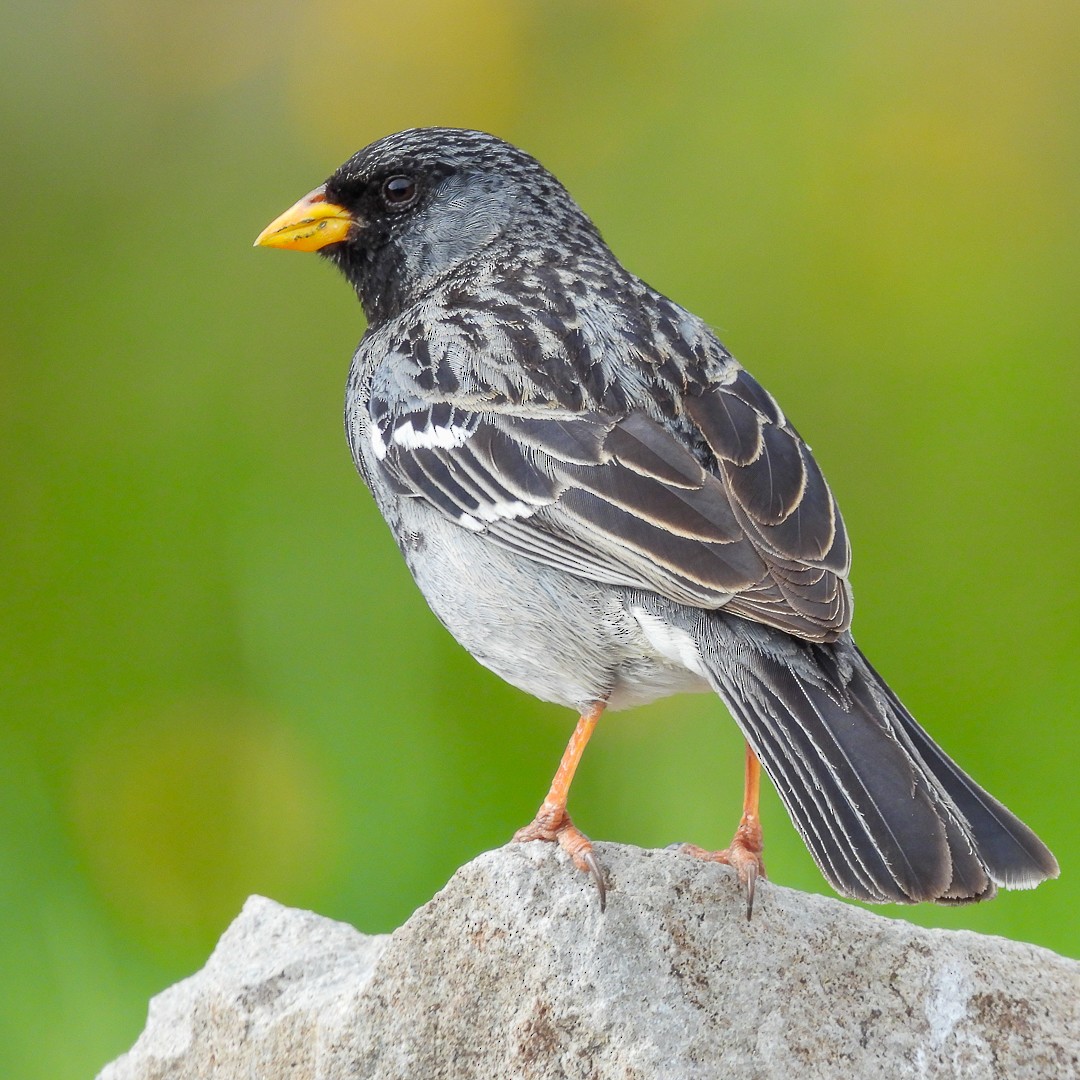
(512, 971)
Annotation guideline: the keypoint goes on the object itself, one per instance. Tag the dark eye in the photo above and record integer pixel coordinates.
(399, 191)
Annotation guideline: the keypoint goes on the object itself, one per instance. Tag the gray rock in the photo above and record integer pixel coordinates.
(512, 971)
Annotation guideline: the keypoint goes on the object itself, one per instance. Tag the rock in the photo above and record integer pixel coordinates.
(512, 971)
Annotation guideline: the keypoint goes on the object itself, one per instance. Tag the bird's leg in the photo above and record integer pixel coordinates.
(552, 822)
(744, 851)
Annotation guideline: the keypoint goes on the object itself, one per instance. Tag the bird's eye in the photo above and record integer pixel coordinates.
(399, 191)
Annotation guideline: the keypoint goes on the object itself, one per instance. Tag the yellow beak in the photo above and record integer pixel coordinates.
(308, 225)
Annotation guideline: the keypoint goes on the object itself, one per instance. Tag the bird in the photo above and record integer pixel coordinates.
(605, 508)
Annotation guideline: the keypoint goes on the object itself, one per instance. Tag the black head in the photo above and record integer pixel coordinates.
(415, 207)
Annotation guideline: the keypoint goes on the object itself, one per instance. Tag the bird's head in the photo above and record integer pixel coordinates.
(407, 211)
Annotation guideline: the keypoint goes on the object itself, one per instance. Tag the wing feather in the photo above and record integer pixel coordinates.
(725, 507)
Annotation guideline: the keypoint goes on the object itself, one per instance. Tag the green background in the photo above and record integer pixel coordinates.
(216, 677)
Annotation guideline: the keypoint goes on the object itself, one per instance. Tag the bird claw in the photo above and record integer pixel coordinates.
(553, 825)
(743, 854)
(748, 875)
(593, 866)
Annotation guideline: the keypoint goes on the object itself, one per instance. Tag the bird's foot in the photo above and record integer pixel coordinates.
(744, 854)
(552, 823)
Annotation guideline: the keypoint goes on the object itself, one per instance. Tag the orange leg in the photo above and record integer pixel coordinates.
(552, 822)
(744, 851)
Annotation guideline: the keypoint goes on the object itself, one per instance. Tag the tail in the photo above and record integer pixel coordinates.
(887, 815)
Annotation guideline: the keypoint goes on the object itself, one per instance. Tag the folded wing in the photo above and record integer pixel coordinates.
(722, 507)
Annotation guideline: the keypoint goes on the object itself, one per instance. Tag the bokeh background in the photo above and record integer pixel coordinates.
(216, 677)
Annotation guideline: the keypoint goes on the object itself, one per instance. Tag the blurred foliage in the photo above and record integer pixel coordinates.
(215, 675)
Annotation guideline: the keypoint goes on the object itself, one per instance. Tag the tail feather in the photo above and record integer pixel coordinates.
(886, 814)
(1014, 856)
(826, 814)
